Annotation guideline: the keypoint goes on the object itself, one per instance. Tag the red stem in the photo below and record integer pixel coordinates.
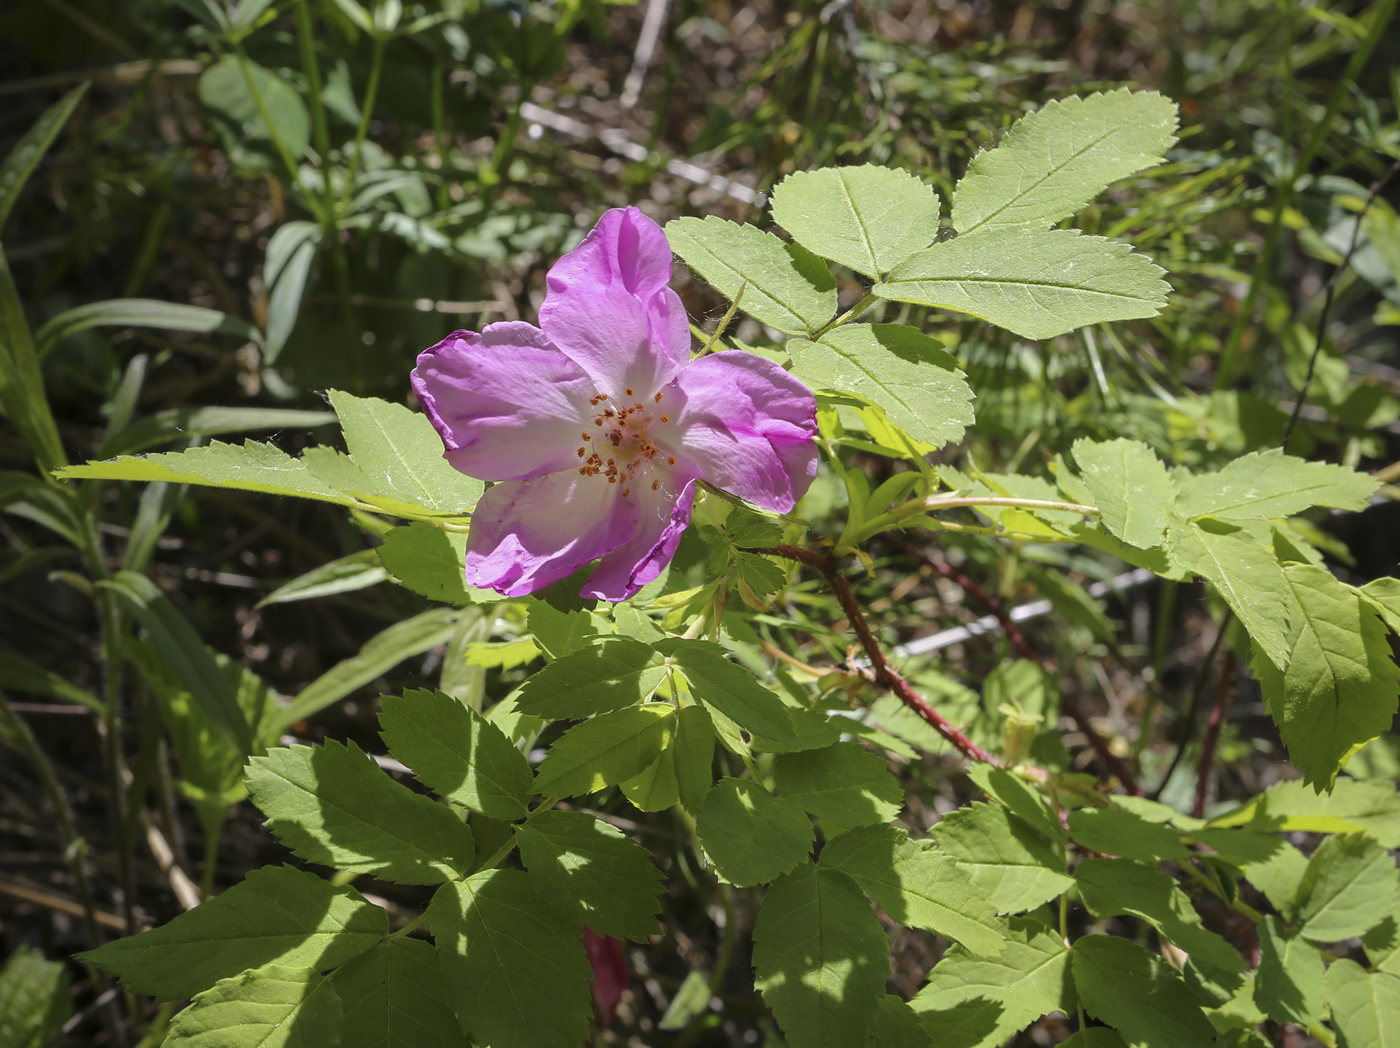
(1217, 717)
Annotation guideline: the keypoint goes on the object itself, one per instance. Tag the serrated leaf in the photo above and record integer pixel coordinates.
(332, 805)
(867, 218)
(1125, 834)
(693, 753)
(1130, 486)
(516, 973)
(784, 285)
(731, 689)
(272, 1007)
(394, 997)
(276, 915)
(1269, 484)
(1365, 1006)
(978, 1002)
(1035, 283)
(1278, 877)
(142, 313)
(897, 1026)
(845, 783)
(820, 958)
(750, 835)
(592, 873)
(35, 997)
(1384, 596)
(1054, 161)
(1018, 796)
(616, 673)
(1110, 887)
(1006, 859)
(431, 562)
(560, 632)
(916, 886)
(903, 371)
(654, 787)
(1371, 807)
(1138, 994)
(456, 753)
(1288, 985)
(1350, 885)
(606, 750)
(1382, 944)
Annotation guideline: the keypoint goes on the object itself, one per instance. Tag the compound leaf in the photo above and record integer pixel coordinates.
(1130, 486)
(732, 690)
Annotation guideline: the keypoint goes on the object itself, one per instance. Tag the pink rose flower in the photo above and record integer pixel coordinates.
(596, 425)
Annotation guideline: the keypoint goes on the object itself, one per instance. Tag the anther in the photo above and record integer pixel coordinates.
(629, 392)
(670, 460)
(656, 485)
(626, 492)
(658, 398)
(580, 452)
(665, 418)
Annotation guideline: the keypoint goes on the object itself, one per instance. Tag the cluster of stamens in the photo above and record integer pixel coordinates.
(624, 438)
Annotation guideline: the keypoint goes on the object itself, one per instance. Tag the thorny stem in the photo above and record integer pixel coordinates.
(1217, 716)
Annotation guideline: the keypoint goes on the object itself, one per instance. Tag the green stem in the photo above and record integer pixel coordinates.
(292, 165)
(846, 317)
(371, 93)
(439, 118)
(211, 860)
(505, 146)
(723, 321)
(306, 42)
(936, 502)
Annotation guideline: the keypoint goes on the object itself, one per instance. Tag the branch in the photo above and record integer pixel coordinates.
(1217, 716)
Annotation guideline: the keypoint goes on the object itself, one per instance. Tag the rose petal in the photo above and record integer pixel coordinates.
(526, 534)
(748, 424)
(663, 515)
(507, 403)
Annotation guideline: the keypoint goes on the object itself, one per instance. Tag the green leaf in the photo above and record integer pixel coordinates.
(142, 313)
(183, 423)
(606, 750)
(1018, 796)
(917, 886)
(1384, 596)
(903, 371)
(343, 575)
(1122, 833)
(784, 285)
(1093, 1037)
(457, 754)
(897, 1026)
(750, 835)
(381, 653)
(286, 269)
(332, 805)
(1278, 877)
(272, 1007)
(431, 562)
(1035, 283)
(1138, 994)
(820, 958)
(845, 783)
(1382, 945)
(732, 690)
(1269, 484)
(276, 915)
(22, 393)
(592, 873)
(1054, 161)
(979, 1002)
(654, 788)
(21, 674)
(225, 94)
(1007, 860)
(35, 998)
(693, 998)
(395, 997)
(616, 673)
(30, 149)
(560, 632)
(867, 218)
(693, 753)
(1350, 885)
(1371, 807)
(1109, 887)
(1130, 486)
(1288, 985)
(1365, 1006)
(516, 973)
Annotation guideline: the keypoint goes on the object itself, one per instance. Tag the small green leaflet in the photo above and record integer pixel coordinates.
(845, 783)
(1035, 283)
(1384, 596)
(432, 562)
(693, 753)
(903, 371)
(1278, 877)
(1288, 985)
(917, 886)
(750, 835)
(1018, 796)
(867, 218)
(1130, 486)
(784, 285)
(1125, 834)
(516, 973)
(272, 1007)
(1382, 945)
(1266, 485)
(897, 1026)
(1138, 994)
(1365, 1006)
(978, 1002)
(560, 632)
(1053, 162)
(1351, 884)
(35, 999)
(1370, 806)
(591, 873)
(331, 805)
(394, 997)
(615, 673)
(24, 157)
(820, 958)
(1007, 860)
(731, 689)
(607, 750)
(654, 788)
(457, 754)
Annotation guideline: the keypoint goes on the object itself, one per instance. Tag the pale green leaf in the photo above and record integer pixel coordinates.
(654, 788)
(1035, 283)
(35, 997)
(1384, 596)
(903, 371)
(606, 750)
(1125, 834)
(30, 149)
(1351, 884)
(343, 575)
(143, 313)
(1007, 860)
(1365, 1006)
(332, 805)
(845, 784)
(286, 270)
(820, 958)
(272, 1007)
(1278, 877)
(1054, 161)
(394, 997)
(456, 753)
(516, 973)
(692, 999)
(1018, 796)
(557, 633)
(867, 218)
(784, 285)
(1371, 807)
(1130, 486)
(616, 673)
(750, 835)
(276, 915)
(979, 1002)
(1138, 994)
(1269, 484)
(1382, 945)
(592, 873)
(184, 423)
(1288, 985)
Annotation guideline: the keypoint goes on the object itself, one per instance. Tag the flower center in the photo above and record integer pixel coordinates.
(623, 448)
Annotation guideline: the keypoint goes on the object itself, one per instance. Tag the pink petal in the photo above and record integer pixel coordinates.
(526, 534)
(608, 306)
(749, 425)
(663, 515)
(507, 403)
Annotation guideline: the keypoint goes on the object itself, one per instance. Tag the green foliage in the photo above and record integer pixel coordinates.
(1130, 486)
(607, 750)
(271, 1007)
(1365, 1005)
(616, 673)
(1015, 867)
(1288, 984)
(1138, 994)
(843, 785)
(394, 996)
(1349, 886)
(35, 999)
(751, 836)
